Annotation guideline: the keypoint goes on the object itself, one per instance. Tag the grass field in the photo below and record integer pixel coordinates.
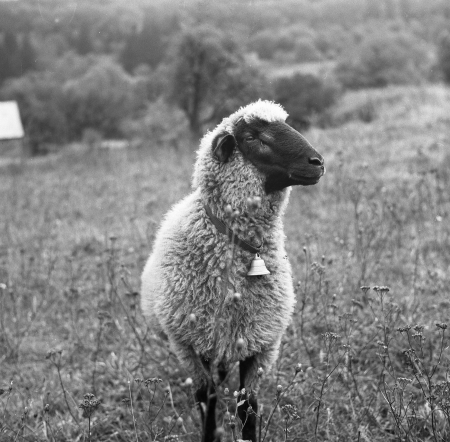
(77, 228)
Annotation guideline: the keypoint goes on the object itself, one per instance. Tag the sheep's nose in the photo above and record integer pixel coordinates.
(315, 161)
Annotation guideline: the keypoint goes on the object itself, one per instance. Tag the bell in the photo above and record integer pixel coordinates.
(258, 267)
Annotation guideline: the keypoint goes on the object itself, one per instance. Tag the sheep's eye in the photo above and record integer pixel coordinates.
(249, 138)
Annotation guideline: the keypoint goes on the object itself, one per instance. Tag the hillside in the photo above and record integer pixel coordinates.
(78, 228)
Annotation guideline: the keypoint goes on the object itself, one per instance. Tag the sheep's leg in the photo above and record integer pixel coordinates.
(248, 419)
(222, 372)
(207, 398)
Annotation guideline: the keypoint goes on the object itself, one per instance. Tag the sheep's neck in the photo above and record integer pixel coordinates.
(253, 226)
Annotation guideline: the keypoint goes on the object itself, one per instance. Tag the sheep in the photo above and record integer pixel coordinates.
(195, 282)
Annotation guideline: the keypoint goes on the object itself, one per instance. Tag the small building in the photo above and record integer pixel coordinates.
(11, 130)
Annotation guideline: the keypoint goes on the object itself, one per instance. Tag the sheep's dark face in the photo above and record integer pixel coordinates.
(277, 150)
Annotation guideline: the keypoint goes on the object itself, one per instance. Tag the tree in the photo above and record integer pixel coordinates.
(444, 56)
(100, 99)
(210, 77)
(27, 54)
(304, 96)
(384, 58)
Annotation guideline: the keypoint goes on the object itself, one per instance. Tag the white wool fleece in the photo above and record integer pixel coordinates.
(194, 271)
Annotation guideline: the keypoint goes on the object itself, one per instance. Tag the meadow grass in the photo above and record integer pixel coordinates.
(78, 361)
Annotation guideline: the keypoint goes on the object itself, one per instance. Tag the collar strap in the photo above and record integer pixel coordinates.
(225, 230)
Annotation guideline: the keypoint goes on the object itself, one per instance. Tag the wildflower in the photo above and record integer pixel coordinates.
(46, 408)
(149, 381)
(179, 422)
(403, 382)
(404, 329)
(298, 368)
(279, 388)
(441, 325)
(243, 391)
(3, 286)
(89, 404)
(419, 328)
(235, 394)
(260, 371)
(330, 336)
(188, 382)
(226, 391)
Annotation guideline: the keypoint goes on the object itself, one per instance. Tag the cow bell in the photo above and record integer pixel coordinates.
(258, 267)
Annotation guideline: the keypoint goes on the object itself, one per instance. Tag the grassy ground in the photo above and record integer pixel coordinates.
(78, 227)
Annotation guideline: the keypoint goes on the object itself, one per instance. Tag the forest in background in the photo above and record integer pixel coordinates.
(84, 70)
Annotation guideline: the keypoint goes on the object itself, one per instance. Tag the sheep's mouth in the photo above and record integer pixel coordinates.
(301, 180)
(305, 181)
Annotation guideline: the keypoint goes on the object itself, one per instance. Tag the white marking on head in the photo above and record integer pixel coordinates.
(262, 109)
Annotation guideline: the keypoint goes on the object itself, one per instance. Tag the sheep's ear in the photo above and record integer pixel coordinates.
(223, 147)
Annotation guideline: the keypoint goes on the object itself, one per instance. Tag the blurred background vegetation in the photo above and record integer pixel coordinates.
(84, 70)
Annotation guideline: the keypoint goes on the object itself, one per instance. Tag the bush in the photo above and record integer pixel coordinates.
(209, 76)
(160, 124)
(99, 99)
(304, 96)
(444, 56)
(385, 58)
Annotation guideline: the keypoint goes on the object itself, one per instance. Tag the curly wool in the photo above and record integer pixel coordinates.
(194, 270)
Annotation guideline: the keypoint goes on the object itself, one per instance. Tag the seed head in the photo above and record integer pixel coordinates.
(180, 422)
(188, 382)
(298, 368)
(279, 388)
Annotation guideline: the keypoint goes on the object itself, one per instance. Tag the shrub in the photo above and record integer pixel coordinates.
(385, 58)
(444, 56)
(304, 96)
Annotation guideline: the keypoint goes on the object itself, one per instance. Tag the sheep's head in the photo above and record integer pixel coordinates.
(277, 150)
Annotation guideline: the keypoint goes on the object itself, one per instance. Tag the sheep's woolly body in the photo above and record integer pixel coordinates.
(194, 270)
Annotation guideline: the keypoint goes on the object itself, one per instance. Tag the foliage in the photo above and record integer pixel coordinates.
(17, 55)
(159, 124)
(385, 58)
(148, 45)
(303, 97)
(210, 76)
(444, 56)
(99, 99)
(78, 93)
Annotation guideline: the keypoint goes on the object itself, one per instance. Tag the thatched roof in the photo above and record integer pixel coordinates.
(10, 124)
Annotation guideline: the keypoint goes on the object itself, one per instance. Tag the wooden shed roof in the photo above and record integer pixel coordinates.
(10, 123)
